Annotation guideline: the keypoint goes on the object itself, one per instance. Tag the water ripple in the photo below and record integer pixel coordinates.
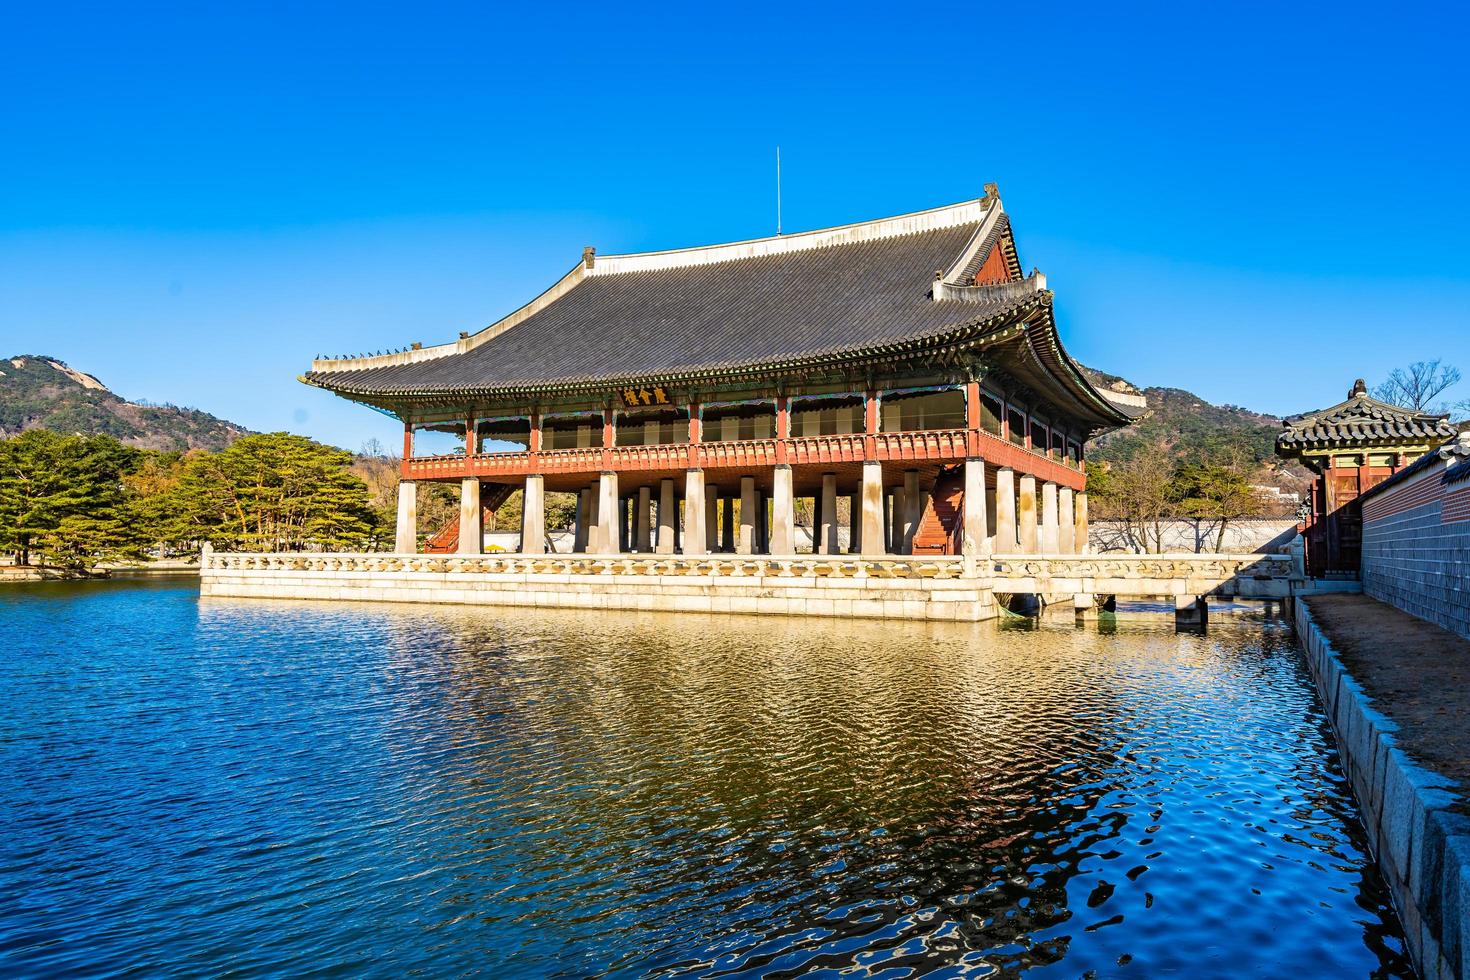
(259, 789)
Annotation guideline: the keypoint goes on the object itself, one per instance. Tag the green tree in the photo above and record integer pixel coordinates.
(1213, 495)
(275, 492)
(62, 499)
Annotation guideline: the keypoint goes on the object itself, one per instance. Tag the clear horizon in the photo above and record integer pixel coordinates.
(1257, 208)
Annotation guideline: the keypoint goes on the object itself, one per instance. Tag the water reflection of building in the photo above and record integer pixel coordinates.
(904, 366)
(1351, 447)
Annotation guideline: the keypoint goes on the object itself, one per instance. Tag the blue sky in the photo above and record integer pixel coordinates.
(1258, 204)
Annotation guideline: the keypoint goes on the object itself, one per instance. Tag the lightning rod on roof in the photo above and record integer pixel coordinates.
(778, 190)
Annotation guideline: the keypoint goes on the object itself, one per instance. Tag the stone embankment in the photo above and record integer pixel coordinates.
(1395, 689)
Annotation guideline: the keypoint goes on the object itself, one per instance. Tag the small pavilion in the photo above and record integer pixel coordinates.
(690, 397)
(1351, 447)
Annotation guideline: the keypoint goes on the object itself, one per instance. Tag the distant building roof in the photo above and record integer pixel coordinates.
(879, 290)
(1362, 421)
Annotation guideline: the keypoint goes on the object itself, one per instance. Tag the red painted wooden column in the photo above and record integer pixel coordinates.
(870, 425)
(533, 444)
(696, 434)
(972, 418)
(608, 435)
(471, 437)
(407, 441)
(783, 429)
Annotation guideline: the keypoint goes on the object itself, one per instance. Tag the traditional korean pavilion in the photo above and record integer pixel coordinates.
(690, 396)
(1350, 447)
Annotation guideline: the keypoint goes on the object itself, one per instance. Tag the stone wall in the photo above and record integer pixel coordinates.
(889, 588)
(1261, 536)
(1420, 842)
(1416, 539)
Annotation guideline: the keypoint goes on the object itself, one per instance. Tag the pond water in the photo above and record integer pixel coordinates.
(256, 788)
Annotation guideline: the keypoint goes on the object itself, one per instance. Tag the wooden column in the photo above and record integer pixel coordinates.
(471, 437)
(609, 436)
(870, 425)
(783, 432)
(696, 433)
(407, 441)
(972, 418)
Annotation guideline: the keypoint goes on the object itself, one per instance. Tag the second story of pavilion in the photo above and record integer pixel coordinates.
(912, 339)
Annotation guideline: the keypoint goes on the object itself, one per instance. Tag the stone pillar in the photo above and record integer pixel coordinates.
(471, 528)
(870, 515)
(668, 516)
(896, 510)
(1079, 526)
(584, 517)
(783, 514)
(745, 545)
(533, 516)
(1066, 521)
(406, 532)
(855, 524)
(727, 533)
(695, 542)
(826, 536)
(594, 521)
(607, 510)
(1026, 514)
(1005, 511)
(625, 524)
(642, 537)
(711, 518)
(762, 523)
(976, 533)
(913, 510)
(1050, 538)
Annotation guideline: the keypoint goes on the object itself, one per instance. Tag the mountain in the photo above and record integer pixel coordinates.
(1196, 431)
(39, 392)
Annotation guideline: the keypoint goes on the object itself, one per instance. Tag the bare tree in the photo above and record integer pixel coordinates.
(1139, 493)
(1417, 386)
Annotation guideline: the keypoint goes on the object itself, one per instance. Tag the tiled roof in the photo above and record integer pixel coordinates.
(1363, 420)
(859, 292)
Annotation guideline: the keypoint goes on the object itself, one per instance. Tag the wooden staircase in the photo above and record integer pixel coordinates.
(942, 525)
(445, 541)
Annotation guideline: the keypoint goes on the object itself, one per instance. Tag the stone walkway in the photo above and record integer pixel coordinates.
(1416, 673)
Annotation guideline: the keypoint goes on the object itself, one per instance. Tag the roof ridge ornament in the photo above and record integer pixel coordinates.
(1360, 388)
(589, 257)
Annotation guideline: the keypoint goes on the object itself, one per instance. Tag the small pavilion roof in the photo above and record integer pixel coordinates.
(1362, 420)
(869, 290)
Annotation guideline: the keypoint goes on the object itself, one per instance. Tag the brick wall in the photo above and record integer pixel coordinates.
(1416, 541)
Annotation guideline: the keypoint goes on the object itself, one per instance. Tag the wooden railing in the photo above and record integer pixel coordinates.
(941, 445)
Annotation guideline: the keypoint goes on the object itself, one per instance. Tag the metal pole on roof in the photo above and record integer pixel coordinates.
(778, 190)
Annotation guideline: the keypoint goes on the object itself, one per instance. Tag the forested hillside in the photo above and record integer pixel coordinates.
(39, 392)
